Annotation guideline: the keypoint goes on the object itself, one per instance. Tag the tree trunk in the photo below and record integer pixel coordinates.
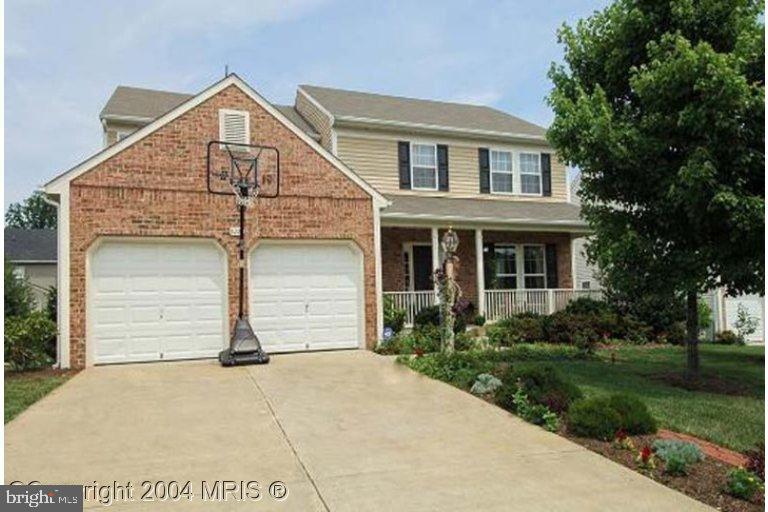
(692, 336)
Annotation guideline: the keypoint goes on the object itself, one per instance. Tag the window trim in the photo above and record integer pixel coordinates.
(517, 265)
(537, 274)
(511, 171)
(222, 134)
(520, 174)
(412, 144)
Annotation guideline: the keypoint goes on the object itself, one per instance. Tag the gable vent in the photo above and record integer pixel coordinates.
(234, 126)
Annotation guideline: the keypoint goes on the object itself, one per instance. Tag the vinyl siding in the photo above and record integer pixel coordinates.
(374, 157)
(315, 117)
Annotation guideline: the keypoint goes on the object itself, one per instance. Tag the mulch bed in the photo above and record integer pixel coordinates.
(705, 482)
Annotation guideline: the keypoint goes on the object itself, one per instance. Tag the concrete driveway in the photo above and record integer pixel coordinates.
(344, 431)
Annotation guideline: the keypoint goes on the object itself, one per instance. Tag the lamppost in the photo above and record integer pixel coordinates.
(448, 289)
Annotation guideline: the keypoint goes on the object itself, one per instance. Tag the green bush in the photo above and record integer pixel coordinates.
(479, 320)
(727, 338)
(17, 294)
(534, 413)
(593, 417)
(26, 341)
(743, 484)
(458, 368)
(635, 417)
(394, 317)
(484, 384)
(422, 339)
(579, 330)
(601, 417)
(678, 456)
(588, 306)
(522, 328)
(543, 385)
(431, 316)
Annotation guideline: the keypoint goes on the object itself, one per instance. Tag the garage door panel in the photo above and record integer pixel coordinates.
(305, 296)
(156, 300)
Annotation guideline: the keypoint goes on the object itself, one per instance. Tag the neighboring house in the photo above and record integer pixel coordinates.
(33, 255)
(369, 184)
(586, 276)
(724, 309)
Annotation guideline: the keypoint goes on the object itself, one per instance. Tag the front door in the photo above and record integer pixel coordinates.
(422, 267)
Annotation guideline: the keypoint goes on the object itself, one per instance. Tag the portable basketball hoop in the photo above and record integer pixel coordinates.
(246, 172)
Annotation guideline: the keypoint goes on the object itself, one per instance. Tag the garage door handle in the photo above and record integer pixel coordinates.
(306, 307)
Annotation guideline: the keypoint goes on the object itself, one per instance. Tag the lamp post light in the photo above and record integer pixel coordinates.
(449, 289)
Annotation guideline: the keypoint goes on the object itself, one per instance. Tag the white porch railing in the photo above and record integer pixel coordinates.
(503, 303)
(411, 302)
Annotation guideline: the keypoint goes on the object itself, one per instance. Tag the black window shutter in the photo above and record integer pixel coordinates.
(442, 167)
(546, 174)
(404, 163)
(485, 171)
(551, 255)
(489, 265)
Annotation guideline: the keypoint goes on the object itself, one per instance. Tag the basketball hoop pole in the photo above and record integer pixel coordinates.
(241, 261)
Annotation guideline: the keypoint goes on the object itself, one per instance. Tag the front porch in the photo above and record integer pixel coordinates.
(500, 271)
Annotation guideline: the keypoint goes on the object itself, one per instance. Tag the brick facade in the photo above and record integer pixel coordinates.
(157, 188)
(393, 269)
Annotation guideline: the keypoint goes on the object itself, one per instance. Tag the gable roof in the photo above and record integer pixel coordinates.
(364, 107)
(136, 104)
(54, 185)
(30, 245)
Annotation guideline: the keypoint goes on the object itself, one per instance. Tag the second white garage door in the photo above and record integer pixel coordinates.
(155, 300)
(306, 296)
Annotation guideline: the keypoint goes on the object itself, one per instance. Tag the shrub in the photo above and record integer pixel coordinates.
(484, 384)
(394, 317)
(543, 385)
(479, 320)
(743, 484)
(26, 340)
(727, 338)
(675, 335)
(17, 294)
(635, 417)
(457, 368)
(600, 417)
(745, 324)
(522, 328)
(431, 316)
(593, 417)
(422, 340)
(588, 306)
(756, 460)
(463, 341)
(678, 456)
(534, 413)
(579, 330)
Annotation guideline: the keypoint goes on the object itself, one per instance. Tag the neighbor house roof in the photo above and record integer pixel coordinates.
(30, 245)
(364, 107)
(483, 211)
(146, 105)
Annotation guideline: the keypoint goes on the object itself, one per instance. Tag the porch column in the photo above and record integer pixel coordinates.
(480, 271)
(435, 256)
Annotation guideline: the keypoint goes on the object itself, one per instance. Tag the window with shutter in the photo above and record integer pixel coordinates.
(234, 126)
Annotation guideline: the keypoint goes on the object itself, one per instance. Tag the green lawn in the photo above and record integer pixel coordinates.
(24, 389)
(731, 415)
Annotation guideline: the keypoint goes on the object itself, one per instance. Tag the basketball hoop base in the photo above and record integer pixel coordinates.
(244, 347)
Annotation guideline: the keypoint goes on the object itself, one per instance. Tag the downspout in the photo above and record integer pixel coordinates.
(56, 205)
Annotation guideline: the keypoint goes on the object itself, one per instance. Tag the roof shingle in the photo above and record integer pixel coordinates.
(30, 245)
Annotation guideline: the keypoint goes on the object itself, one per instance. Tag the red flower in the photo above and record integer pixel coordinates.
(620, 435)
(645, 453)
(418, 351)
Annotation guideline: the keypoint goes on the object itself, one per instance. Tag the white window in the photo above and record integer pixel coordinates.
(534, 267)
(424, 166)
(505, 258)
(501, 172)
(530, 173)
(234, 126)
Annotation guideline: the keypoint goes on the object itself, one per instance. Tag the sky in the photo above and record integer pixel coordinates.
(63, 59)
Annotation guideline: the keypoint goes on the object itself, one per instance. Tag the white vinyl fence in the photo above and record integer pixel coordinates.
(411, 302)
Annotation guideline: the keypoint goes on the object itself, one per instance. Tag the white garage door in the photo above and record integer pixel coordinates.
(152, 301)
(306, 296)
(753, 306)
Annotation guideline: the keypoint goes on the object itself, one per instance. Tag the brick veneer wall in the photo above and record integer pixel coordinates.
(157, 188)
